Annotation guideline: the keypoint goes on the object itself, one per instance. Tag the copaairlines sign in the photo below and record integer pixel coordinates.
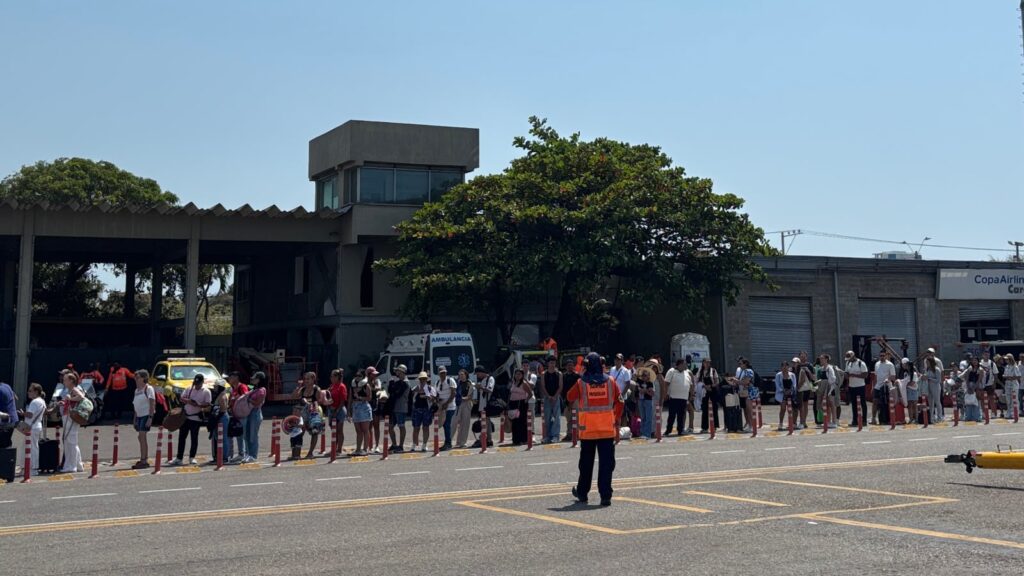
(971, 284)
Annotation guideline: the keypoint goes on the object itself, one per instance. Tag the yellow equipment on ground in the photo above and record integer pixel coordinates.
(1006, 460)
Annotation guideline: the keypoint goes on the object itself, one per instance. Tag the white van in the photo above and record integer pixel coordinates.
(428, 352)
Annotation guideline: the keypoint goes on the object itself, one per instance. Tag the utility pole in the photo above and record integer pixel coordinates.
(1016, 245)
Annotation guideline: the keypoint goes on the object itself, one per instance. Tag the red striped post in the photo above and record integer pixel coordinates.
(984, 404)
(956, 412)
(657, 423)
(113, 458)
(27, 466)
(892, 411)
(95, 453)
(220, 446)
(711, 421)
(159, 445)
(484, 425)
(826, 412)
(544, 424)
(575, 426)
(334, 439)
(753, 416)
(789, 415)
(275, 430)
(860, 415)
(170, 444)
(437, 440)
(529, 428)
(923, 400)
(386, 444)
(501, 432)
(323, 443)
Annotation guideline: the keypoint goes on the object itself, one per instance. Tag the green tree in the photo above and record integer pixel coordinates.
(595, 219)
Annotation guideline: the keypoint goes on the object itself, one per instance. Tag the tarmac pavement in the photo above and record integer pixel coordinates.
(803, 504)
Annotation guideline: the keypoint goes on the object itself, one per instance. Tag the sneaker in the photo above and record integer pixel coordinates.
(193, 462)
(236, 459)
(424, 448)
(376, 450)
(689, 430)
(175, 462)
(746, 428)
(398, 449)
(703, 430)
(140, 465)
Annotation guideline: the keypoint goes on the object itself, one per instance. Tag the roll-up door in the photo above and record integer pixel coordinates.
(780, 328)
(980, 321)
(889, 318)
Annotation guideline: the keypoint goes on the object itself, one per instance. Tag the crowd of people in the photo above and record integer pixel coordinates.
(800, 387)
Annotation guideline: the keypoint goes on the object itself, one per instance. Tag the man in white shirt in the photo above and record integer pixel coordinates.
(677, 393)
(885, 374)
(857, 370)
(446, 401)
(622, 376)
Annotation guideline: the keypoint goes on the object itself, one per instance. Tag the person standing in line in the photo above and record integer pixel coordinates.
(117, 394)
(857, 370)
(785, 392)
(677, 392)
(484, 386)
(551, 395)
(932, 385)
(34, 413)
(144, 404)
(237, 391)
(257, 396)
(362, 413)
(447, 396)
(622, 377)
(973, 378)
(73, 395)
(424, 405)
(908, 389)
(379, 391)
(747, 391)
(885, 375)
(220, 416)
(600, 405)
(828, 385)
(8, 415)
(396, 408)
(464, 410)
(1011, 383)
(518, 406)
(339, 406)
(708, 376)
(991, 371)
(196, 400)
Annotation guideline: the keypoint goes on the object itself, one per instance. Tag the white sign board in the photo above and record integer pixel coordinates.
(974, 284)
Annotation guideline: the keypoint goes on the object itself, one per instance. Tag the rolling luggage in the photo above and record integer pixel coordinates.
(8, 456)
(49, 456)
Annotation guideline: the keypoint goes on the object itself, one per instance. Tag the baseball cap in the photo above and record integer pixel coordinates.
(442, 370)
(371, 371)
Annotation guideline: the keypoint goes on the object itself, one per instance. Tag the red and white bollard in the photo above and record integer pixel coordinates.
(501, 432)
(95, 453)
(956, 412)
(1016, 409)
(60, 447)
(113, 457)
(760, 416)
(275, 429)
(157, 462)
(826, 414)
(984, 405)
(543, 426)
(220, 446)
(529, 427)
(789, 416)
(859, 415)
(27, 466)
(657, 423)
(437, 439)
(892, 410)
(711, 421)
(923, 401)
(170, 444)
(386, 444)
(334, 440)
(575, 426)
(323, 443)
(484, 425)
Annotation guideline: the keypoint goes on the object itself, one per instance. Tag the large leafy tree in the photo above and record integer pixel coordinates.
(596, 220)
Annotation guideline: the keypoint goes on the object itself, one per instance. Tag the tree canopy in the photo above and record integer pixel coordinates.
(592, 219)
(84, 181)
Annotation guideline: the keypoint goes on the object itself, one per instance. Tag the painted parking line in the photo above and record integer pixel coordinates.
(665, 505)
(916, 531)
(624, 458)
(968, 436)
(254, 484)
(735, 498)
(921, 439)
(827, 445)
(548, 463)
(878, 442)
(668, 455)
(1008, 434)
(780, 448)
(478, 468)
(727, 451)
(411, 473)
(338, 478)
(7, 501)
(83, 496)
(170, 490)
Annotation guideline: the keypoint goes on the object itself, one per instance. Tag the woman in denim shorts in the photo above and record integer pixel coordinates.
(362, 414)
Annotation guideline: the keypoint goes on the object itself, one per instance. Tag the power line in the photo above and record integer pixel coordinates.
(881, 241)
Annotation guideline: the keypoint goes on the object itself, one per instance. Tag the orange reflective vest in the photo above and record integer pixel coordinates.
(597, 410)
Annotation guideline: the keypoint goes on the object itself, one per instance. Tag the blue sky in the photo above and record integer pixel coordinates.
(893, 120)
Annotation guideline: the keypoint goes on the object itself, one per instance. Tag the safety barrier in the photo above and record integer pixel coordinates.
(529, 427)
(275, 442)
(922, 401)
(95, 453)
(575, 427)
(27, 476)
(170, 444)
(984, 405)
(334, 439)
(485, 424)
(113, 458)
(220, 446)
(657, 423)
(437, 440)
(892, 411)
(501, 431)
(386, 444)
(159, 443)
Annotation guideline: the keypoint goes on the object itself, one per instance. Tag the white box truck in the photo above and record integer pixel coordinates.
(428, 352)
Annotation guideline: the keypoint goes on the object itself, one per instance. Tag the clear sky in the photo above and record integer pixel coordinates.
(882, 119)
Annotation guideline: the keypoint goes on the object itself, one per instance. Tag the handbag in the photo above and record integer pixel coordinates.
(971, 399)
(235, 428)
(241, 408)
(174, 419)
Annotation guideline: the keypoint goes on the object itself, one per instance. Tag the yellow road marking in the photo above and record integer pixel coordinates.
(664, 505)
(685, 439)
(808, 432)
(187, 470)
(125, 474)
(305, 462)
(552, 447)
(851, 489)
(60, 478)
(735, 436)
(459, 453)
(359, 459)
(544, 517)
(411, 456)
(916, 531)
(734, 498)
(250, 466)
(638, 441)
(506, 449)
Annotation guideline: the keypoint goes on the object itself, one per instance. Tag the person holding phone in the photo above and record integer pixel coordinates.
(196, 401)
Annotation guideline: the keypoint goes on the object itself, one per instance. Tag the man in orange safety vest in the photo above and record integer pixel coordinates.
(599, 409)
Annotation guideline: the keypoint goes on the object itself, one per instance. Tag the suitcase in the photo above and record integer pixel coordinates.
(734, 419)
(8, 456)
(49, 456)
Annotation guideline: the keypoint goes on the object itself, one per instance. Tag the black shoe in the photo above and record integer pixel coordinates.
(578, 499)
(606, 502)
(446, 447)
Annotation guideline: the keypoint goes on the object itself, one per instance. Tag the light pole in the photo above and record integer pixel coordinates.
(917, 253)
(1016, 245)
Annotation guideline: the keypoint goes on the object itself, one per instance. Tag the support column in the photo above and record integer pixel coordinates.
(7, 307)
(23, 317)
(338, 251)
(192, 286)
(129, 291)
(156, 308)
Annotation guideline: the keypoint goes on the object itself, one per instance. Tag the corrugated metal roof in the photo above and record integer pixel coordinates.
(190, 209)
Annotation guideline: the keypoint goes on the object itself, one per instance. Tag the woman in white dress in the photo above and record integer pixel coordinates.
(73, 395)
(34, 413)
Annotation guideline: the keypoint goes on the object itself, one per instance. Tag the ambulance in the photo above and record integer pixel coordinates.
(428, 352)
